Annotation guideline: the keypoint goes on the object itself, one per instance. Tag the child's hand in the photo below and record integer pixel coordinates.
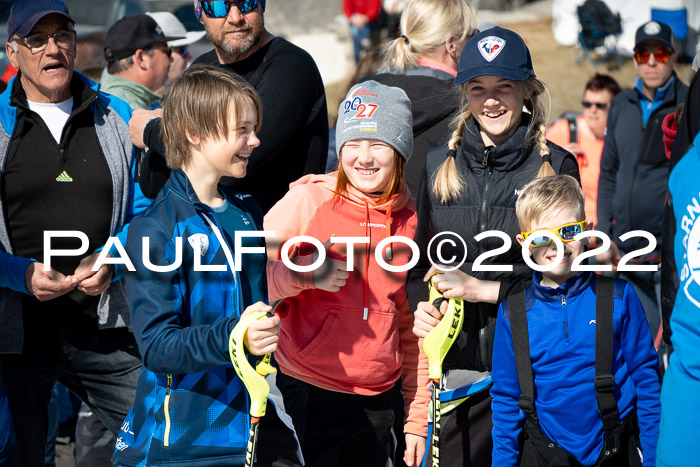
(458, 284)
(415, 448)
(426, 317)
(263, 334)
(332, 275)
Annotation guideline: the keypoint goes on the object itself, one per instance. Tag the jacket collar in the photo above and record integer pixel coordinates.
(505, 157)
(572, 287)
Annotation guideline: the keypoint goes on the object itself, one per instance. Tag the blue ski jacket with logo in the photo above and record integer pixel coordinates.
(679, 438)
(561, 326)
(191, 408)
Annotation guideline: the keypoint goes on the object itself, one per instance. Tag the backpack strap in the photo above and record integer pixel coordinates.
(521, 349)
(604, 380)
(573, 128)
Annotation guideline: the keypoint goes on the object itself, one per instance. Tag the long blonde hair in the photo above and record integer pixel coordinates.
(426, 25)
(449, 184)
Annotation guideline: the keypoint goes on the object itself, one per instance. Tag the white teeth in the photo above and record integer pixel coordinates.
(243, 156)
(366, 172)
(494, 114)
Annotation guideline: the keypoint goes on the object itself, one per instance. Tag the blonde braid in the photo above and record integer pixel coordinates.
(448, 183)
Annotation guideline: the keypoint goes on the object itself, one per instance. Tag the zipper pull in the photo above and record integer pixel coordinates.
(365, 312)
(485, 160)
(563, 301)
(62, 152)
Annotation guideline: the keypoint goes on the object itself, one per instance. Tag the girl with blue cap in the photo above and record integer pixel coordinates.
(470, 187)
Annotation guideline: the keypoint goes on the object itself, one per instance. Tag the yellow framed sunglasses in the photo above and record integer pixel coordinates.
(566, 233)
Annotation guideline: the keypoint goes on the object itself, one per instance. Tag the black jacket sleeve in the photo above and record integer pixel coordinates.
(609, 163)
(417, 289)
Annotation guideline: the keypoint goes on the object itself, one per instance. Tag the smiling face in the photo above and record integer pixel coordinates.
(368, 164)
(228, 155)
(45, 75)
(546, 255)
(497, 105)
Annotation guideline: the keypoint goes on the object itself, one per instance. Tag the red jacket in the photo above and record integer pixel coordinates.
(358, 340)
(369, 8)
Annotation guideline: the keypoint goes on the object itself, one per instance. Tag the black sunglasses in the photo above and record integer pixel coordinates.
(600, 105)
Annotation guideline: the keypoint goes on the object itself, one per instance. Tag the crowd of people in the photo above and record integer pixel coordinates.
(149, 209)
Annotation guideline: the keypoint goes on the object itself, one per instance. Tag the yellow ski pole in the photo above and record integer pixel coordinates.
(253, 379)
(436, 345)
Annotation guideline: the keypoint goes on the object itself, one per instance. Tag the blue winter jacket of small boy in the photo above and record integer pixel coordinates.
(191, 408)
(561, 326)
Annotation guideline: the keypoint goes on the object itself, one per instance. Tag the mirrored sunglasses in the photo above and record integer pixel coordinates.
(220, 8)
(566, 233)
(599, 105)
(661, 55)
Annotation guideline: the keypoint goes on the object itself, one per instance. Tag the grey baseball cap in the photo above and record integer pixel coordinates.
(374, 111)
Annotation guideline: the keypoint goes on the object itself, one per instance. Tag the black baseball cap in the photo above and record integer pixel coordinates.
(26, 13)
(654, 30)
(131, 33)
(495, 51)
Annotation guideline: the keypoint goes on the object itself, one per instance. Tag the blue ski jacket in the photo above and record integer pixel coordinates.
(679, 438)
(190, 408)
(561, 326)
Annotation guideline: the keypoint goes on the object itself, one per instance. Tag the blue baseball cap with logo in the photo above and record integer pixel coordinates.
(495, 51)
(26, 13)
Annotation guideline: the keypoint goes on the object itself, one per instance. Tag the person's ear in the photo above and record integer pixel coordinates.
(451, 47)
(193, 139)
(12, 52)
(140, 59)
(521, 241)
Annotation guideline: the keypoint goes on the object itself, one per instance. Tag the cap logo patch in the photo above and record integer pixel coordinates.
(490, 47)
(363, 110)
(159, 30)
(652, 28)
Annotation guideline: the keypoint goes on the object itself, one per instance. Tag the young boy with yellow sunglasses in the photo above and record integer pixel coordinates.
(574, 366)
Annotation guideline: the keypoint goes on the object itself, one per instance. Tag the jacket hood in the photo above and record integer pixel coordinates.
(355, 196)
(432, 99)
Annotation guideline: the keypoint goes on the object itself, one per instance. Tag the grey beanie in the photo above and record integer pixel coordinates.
(375, 111)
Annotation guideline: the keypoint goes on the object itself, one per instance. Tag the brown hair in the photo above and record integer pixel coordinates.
(600, 82)
(395, 185)
(548, 195)
(448, 183)
(198, 103)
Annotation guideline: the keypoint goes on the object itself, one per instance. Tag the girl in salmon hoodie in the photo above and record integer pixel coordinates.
(346, 327)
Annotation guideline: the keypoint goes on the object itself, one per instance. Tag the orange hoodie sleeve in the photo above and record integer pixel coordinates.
(414, 373)
(288, 218)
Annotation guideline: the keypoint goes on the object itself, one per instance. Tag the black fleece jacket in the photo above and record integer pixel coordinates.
(494, 176)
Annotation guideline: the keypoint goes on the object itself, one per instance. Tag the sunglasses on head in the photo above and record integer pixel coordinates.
(600, 105)
(220, 8)
(661, 55)
(566, 233)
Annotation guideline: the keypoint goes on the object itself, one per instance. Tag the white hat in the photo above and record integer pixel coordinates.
(172, 26)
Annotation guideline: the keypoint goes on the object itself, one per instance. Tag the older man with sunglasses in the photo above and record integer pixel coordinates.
(294, 133)
(633, 166)
(65, 165)
(138, 60)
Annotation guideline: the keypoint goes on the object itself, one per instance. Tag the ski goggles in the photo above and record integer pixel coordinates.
(566, 233)
(220, 8)
(661, 55)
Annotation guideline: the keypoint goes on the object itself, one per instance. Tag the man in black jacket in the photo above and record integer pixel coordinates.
(633, 167)
(294, 133)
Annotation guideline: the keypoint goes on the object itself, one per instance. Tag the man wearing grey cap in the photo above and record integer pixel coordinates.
(138, 60)
(633, 166)
(65, 165)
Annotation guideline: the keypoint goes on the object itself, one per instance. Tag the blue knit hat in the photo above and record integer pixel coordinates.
(498, 52)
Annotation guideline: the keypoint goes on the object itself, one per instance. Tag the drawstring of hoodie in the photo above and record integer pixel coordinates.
(368, 234)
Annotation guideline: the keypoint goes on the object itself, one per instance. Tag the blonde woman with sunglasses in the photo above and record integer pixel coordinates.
(470, 186)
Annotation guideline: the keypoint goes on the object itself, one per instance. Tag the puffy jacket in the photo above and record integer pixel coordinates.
(190, 407)
(358, 340)
(561, 328)
(494, 177)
